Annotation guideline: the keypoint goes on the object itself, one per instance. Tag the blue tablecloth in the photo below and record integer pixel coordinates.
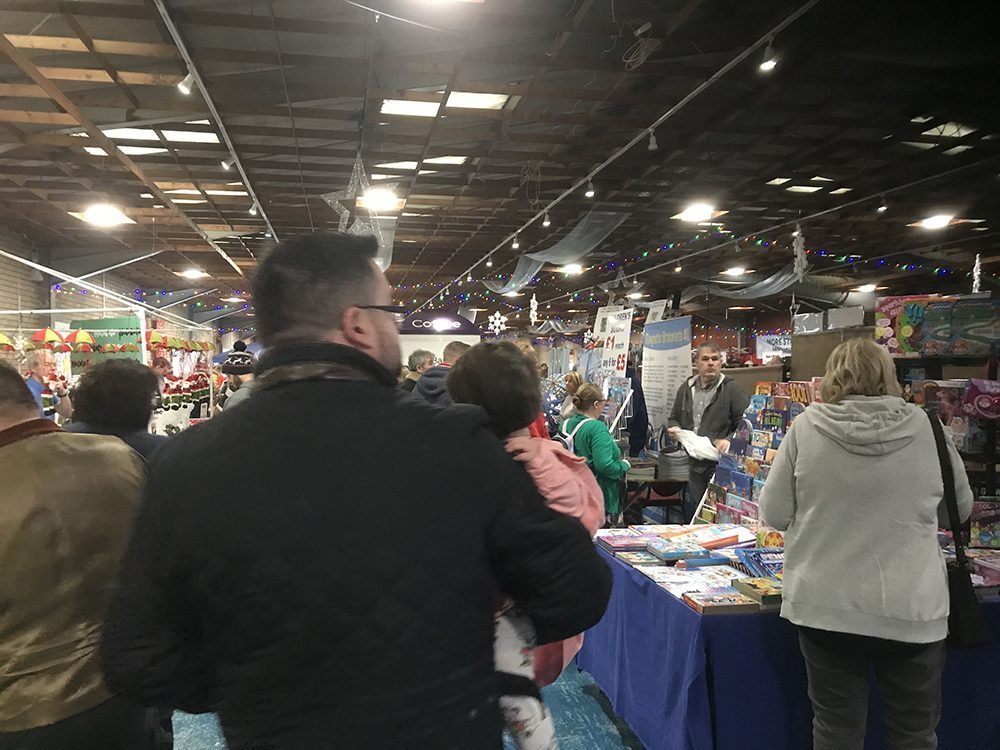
(737, 682)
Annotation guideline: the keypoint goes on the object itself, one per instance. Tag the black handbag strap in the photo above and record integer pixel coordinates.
(948, 477)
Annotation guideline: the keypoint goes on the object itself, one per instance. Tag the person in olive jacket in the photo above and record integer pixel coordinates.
(709, 404)
(340, 594)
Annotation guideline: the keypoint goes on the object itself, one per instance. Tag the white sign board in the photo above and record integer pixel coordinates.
(614, 358)
(773, 346)
(666, 364)
(601, 321)
(656, 311)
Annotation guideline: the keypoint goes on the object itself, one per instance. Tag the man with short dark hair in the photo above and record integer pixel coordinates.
(62, 533)
(307, 594)
(115, 398)
(417, 364)
(433, 384)
(708, 404)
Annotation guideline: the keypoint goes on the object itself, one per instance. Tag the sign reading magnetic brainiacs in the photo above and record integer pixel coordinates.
(666, 363)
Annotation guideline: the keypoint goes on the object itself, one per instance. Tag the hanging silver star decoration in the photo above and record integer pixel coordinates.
(977, 271)
(622, 283)
(801, 263)
(533, 315)
(357, 186)
(497, 323)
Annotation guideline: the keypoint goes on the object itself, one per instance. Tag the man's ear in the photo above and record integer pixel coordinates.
(356, 329)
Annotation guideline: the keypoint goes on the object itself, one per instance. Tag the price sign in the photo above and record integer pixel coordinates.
(614, 357)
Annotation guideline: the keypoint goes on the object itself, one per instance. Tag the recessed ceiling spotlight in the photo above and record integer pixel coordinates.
(697, 212)
(938, 221)
(186, 84)
(590, 190)
(769, 62)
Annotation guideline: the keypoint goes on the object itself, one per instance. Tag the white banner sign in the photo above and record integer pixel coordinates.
(770, 346)
(656, 311)
(615, 355)
(666, 364)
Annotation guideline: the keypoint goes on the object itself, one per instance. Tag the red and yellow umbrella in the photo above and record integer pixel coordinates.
(108, 349)
(63, 347)
(153, 340)
(130, 347)
(85, 348)
(6, 345)
(46, 339)
(78, 339)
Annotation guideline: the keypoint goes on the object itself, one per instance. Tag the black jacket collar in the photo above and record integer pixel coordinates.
(349, 362)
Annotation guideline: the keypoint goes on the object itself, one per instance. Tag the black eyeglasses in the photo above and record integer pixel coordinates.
(397, 311)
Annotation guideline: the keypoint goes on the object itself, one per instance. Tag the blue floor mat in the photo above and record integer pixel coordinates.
(584, 720)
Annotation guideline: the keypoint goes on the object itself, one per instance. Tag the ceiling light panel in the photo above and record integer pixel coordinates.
(173, 136)
(841, 191)
(410, 109)
(468, 100)
(950, 130)
(778, 181)
(803, 188)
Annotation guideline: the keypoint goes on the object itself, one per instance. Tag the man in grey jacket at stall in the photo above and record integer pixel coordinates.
(708, 404)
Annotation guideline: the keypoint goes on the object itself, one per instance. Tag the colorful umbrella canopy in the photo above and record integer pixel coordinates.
(45, 339)
(79, 336)
(85, 348)
(108, 348)
(63, 347)
(6, 345)
(130, 347)
(153, 340)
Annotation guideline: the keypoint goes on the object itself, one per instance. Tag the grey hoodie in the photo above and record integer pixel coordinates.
(857, 487)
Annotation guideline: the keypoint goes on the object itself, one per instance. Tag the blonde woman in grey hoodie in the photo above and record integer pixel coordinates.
(857, 488)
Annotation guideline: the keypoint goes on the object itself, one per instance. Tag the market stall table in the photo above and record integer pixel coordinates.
(737, 682)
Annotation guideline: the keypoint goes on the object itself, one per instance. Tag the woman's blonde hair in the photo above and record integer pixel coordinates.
(573, 381)
(586, 396)
(859, 367)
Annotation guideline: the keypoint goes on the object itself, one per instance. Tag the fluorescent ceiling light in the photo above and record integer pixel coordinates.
(741, 307)
(511, 294)
(866, 288)
(572, 269)
(380, 200)
(636, 295)
(231, 299)
(398, 165)
(379, 176)
(447, 160)
(956, 149)
(188, 200)
(192, 273)
(469, 100)
(921, 119)
(938, 221)
(735, 271)
(803, 188)
(698, 212)
(950, 130)
(841, 191)
(188, 191)
(129, 150)
(818, 178)
(778, 181)
(103, 215)
(411, 109)
(919, 144)
(198, 122)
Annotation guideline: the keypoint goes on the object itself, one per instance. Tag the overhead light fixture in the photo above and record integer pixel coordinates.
(545, 221)
(866, 288)
(380, 200)
(741, 307)
(227, 164)
(192, 273)
(232, 299)
(127, 150)
(186, 84)
(489, 261)
(677, 269)
(769, 62)
(511, 294)
(796, 233)
(572, 269)
(410, 108)
(735, 271)
(590, 190)
(635, 295)
(515, 243)
(803, 188)
(778, 181)
(253, 209)
(697, 212)
(653, 145)
(883, 206)
(938, 221)
(471, 100)
(103, 215)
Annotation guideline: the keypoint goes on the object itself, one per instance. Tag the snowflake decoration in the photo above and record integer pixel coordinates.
(533, 316)
(497, 323)
(799, 251)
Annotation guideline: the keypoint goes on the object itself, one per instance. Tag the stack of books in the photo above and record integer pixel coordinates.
(765, 591)
(720, 601)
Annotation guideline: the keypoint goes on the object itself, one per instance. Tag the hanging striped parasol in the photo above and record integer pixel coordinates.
(84, 348)
(108, 349)
(46, 339)
(153, 340)
(129, 347)
(79, 336)
(63, 347)
(6, 345)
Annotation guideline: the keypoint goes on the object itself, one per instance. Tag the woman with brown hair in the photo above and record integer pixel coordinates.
(573, 380)
(588, 436)
(857, 487)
